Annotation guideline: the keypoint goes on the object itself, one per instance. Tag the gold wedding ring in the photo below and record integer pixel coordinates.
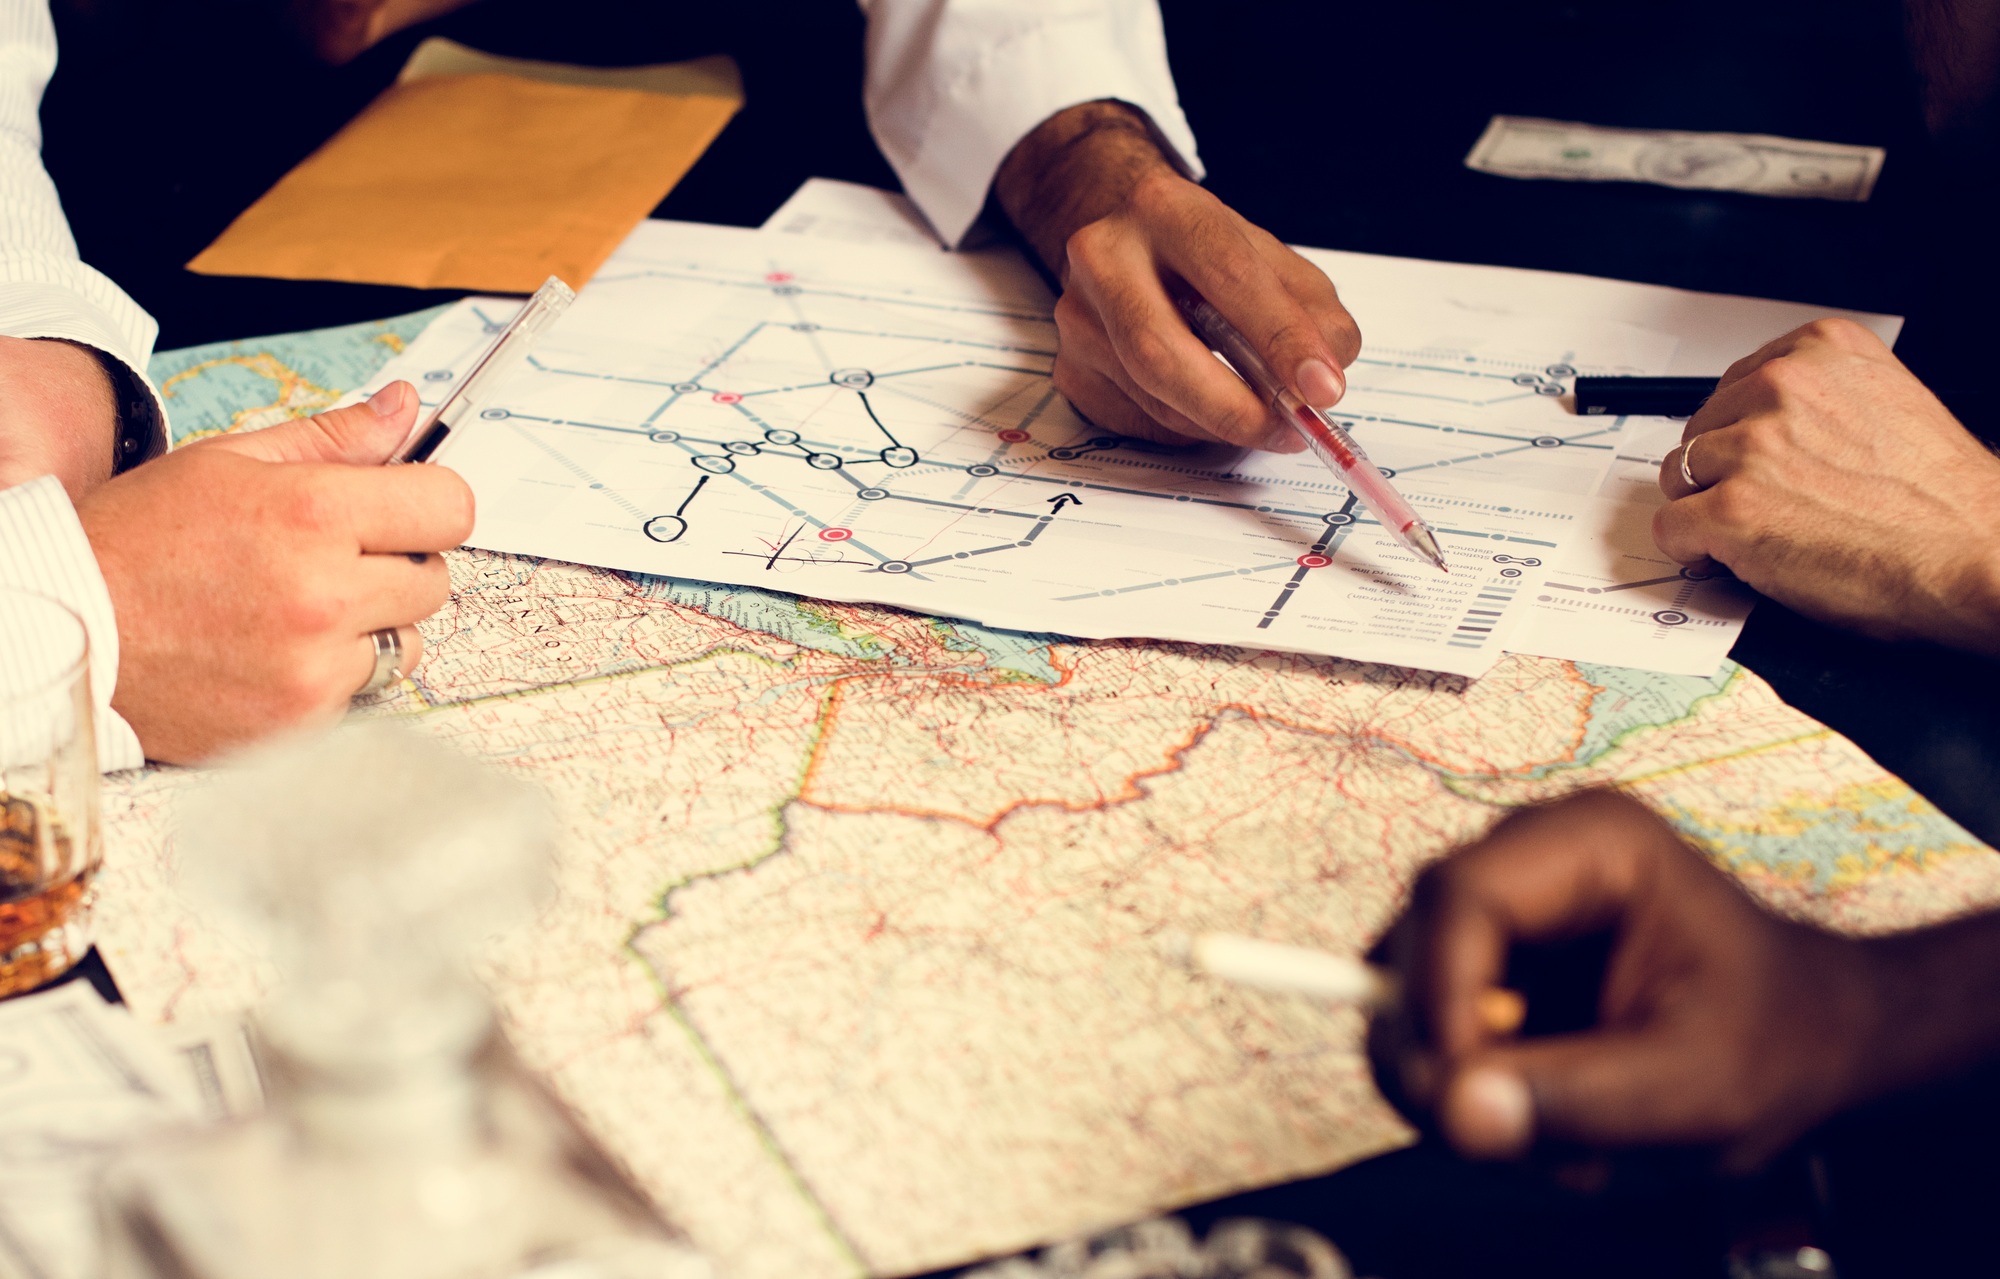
(388, 662)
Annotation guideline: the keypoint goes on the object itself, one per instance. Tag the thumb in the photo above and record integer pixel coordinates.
(1599, 1088)
(362, 434)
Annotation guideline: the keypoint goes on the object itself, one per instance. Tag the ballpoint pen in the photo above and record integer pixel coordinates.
(501, 358)
(1328, 442)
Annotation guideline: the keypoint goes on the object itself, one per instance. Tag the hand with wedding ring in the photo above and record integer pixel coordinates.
(260, 581)
(1824, 474)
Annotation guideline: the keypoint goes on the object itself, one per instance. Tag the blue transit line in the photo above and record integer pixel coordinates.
(574, 468)
(1449, 399)
(1466, 430)
(730, 351)
(962, 506)
(599, 377)
(1008, 368)
(1439, 368)
(564, 421)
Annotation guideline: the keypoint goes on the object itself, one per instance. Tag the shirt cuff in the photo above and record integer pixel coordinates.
(68, 300)
(975, 118)
(43, 549)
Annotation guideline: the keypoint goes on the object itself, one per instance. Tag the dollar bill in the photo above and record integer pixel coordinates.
(1519, 147)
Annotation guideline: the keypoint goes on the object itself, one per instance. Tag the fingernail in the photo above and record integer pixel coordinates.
(1284, 440)
(1319, 384)
(388, 401)
(1494, 1110)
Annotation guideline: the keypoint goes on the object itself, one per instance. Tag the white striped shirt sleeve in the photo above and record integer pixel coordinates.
(45, 289)
(953, 85)
(43, 549)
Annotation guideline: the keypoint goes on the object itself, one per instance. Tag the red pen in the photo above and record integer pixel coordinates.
(1324, 436)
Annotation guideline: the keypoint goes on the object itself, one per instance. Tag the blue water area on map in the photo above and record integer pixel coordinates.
(335, 360)
(1022, 652)
(1632, 699)
(1818, 841)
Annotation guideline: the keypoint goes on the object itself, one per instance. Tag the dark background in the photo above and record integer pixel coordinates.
(1336, 124)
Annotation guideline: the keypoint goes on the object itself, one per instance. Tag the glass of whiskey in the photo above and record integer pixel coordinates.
(49, 838)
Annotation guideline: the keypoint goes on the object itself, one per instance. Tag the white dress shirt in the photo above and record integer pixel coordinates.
(47, 292)
(954, 84)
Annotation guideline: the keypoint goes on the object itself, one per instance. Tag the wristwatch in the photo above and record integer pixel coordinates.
(141, 436)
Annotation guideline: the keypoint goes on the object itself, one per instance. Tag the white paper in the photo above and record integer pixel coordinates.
(879, 425)
(80, 1080)
(826, 209)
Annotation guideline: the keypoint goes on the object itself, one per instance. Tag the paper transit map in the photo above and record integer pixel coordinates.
(854, 962)
(880, 425)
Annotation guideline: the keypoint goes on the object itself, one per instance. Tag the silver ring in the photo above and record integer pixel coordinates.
(1687, 475)
(388, 662)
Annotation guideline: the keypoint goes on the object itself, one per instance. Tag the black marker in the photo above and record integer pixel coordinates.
(1642, 396)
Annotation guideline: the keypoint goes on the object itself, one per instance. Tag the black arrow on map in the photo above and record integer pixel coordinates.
(1057, 502)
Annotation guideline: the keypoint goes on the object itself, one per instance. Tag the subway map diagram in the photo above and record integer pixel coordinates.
(883, 427)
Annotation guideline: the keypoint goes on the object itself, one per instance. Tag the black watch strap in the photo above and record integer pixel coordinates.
(141, 435)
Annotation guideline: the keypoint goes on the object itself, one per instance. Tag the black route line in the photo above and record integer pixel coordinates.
(1041, 522)
(785, 546)
(893, 441)
(1327, 545)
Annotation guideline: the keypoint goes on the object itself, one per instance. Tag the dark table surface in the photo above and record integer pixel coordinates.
(1332, 124)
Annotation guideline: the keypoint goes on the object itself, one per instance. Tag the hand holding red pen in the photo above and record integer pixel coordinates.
(1122, 227)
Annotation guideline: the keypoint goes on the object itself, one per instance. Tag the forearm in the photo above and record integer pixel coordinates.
(1937, 995)
(1074, 168)
(58, 415)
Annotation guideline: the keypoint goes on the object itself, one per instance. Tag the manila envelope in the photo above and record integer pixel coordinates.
(484, 182)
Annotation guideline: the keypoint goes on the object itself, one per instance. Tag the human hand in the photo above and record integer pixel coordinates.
(1122, 229)
(342, 30)
(247, 572)
(1836, 484)
(58, 415)
(1718, 1023)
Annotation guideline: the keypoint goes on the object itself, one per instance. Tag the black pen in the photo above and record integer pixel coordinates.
(1642, 396)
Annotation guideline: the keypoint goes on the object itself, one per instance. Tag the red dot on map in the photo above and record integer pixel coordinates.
(1314, 561)
(835, 534)
(727, 397)
(778, 277)
(1013, 437)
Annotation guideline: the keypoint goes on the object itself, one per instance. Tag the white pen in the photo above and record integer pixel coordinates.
(501, 358)
(1336, 979)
